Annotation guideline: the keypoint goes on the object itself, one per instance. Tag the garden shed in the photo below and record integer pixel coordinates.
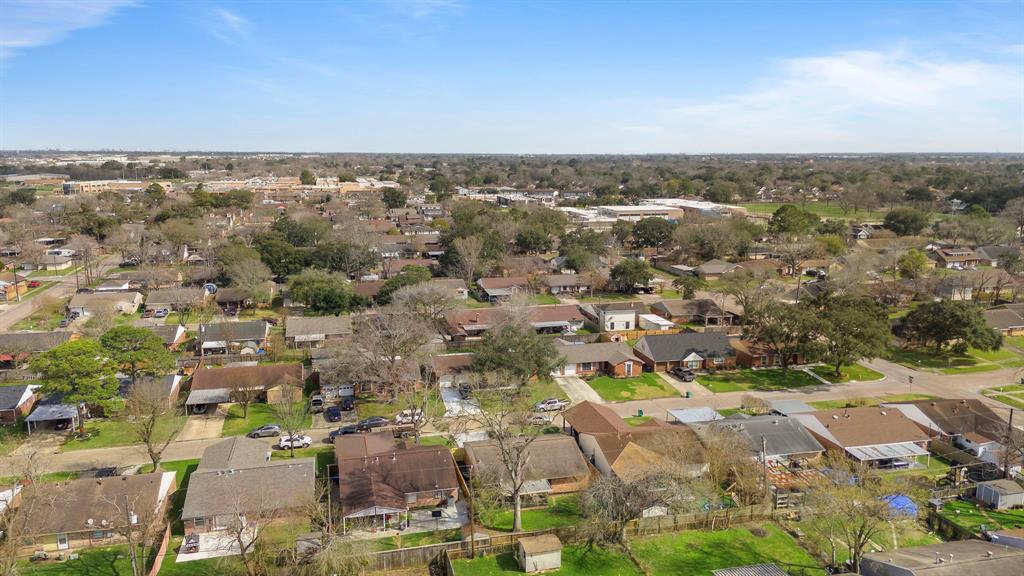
(538, 553)
(1000, 494)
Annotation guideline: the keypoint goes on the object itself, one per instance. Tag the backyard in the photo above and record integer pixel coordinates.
(560, 511)
(895, 536)
(183, 470)
(576, 561)
(698, 553)
(747, 379)
(647, 385)
(259, 414)
(970, 516)
(850, 373)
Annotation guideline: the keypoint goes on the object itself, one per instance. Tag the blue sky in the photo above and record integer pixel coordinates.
(523, 77)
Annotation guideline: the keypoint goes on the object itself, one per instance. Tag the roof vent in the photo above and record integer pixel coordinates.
(883, 413)
(104, 523)
(988, 554)
(90, 522)
(835, 417)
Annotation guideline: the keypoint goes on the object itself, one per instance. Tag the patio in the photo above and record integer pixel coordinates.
(212, 545)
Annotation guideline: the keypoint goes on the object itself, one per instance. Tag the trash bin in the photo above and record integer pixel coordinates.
(689, 394)
(639, 412)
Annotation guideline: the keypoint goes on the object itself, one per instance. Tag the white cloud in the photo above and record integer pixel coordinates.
(227, 26)
(29, 23)
(865, 101)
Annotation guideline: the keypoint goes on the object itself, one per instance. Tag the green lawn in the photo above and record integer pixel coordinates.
(541, 299)
(11, 437)
(324, 455)
(1015, 341)
(969, 516)
(907, 534)
(647, 385)
(183, 470)
(43, 478)
(225, 566)
(698, 553)
(934, 467)
(45, 319)
(367, 406)
(111, 561)
(259, 414)
(820, 208)
(436, 441)
(636, 420)
(561, 511)
(36, 291)
(853, 372)
(756, 380)
(576, 561)
(43, 273)
(607, 297)
(543, 389)
(418, 539)
(948, 363)
(116, 432)
(867, 401)
(1012, 395)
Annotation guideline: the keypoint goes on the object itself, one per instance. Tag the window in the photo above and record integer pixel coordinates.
(629, 368)
(719, 360)
(439, 495)
(586, 366)
(410, 498)
(627, 324)
(199, 522)
(611, 325)
(764, 360)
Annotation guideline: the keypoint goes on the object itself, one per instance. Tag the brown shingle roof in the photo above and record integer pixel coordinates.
(549, 457)
(263, 376)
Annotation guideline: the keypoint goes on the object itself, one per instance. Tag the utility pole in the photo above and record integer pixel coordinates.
(128, 534)
(1006, 446)
(764, 465)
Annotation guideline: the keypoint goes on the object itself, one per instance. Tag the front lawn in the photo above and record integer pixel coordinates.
(756, 380)
(11, 437)
(698, 553)
(607, 297)
(116, 432)
(576, 561)
(561, 511)
(949, 363)
(969, 516)
(647, 385)
(868, 401)
(1010, 395)
(850, 373)
(367, 406)
(259, 414)
(324, 456)
(543, 299)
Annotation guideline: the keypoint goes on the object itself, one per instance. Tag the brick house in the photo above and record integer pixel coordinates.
(612, 358)
(694, 350)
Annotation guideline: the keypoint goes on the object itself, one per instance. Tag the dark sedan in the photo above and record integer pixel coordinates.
(372, 422)
(333, 414)
(343, 431)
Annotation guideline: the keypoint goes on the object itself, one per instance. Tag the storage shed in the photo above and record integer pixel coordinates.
(1000, 494)
(538, 553)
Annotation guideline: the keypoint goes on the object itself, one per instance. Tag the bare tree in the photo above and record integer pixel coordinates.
(794, 256)
(730, 465)
(427, 300)
(469, 261)
(332, 554)
(252, 276)
(244, 393)
(388, 350)
(152, 417)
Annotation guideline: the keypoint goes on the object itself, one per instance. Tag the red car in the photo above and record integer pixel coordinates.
(35, 284)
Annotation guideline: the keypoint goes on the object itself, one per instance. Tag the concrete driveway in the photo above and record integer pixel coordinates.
(578, 390)
(202, 426)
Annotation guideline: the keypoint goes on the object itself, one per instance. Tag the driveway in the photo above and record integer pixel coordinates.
(202, 427)
(578, 390)
(695, 389)
(455, 405)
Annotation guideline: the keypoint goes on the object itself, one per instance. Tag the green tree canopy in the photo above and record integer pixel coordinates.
(138, 351)
(532, 239)
(630, 273)
(956, 325)
(906, 221)
(307, 178)
(409, 276)
(652, 233)
(80, 370)
(322, 292)
(516, 349)
(850, 328)
(394, 198)
(790, 220)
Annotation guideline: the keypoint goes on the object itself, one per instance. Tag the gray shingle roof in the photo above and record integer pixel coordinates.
(276, 485)
(10, 396)
(318, 326)
(783, 436)
(614, 352)
(675, 347)
(15, 342)
(233, 453)
(233, 331)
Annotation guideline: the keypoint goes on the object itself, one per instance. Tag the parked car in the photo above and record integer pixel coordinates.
(684, 374)
(550, 405)
(265, 431)
(316, 403)
(297, 441)
(84, 291)
(272, 321)
(199, 408)
(62, 424)
(332, 414)
(348, 403)
(343, 431)
(74, 315)
(409, 416)
(34, 284)
(149, 313)
(64, 322)
(372, 422)
(540, 419)
(161, 313)
(130, 262)
(231, 311)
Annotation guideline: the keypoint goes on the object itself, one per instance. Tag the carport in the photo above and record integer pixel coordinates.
(889, 455)
(207, 397)
(52, 413)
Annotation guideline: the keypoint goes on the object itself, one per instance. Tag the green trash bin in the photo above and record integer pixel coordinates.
(689, 394)
(639, 412)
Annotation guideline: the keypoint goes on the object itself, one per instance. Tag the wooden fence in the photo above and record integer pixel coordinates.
(623, 335)
(161, 553)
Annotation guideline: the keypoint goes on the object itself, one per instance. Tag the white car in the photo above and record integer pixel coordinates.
(409, 416)
(540, 419)
(297, 441)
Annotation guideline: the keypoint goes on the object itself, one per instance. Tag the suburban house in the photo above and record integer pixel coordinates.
(232, 297)
(968, 424)
(953, 558)
(753, 355)
(368, 290)
(237, 479)
(614, 316)
(315, 331)
(693, 350)
(502, 289)
(381, 478)
(880, 436)
(62, 517)
(117, 302)
(16, 402)
(554, 465)
(115, 285)
(701, 311)
(456, 287)
(169, 386)
(233, 337)
(612, 358)
(614, 446)
(275, 382)
(955, 288)
(991, 254)
(173, 335)
(50, 263)
(566, 283)
(1006, 319)
(151, 278)
(785, 439)
(176, 298)
(956, 258)
(11, 286)
(16, 348)
(471, 323)
(448, 369)
(715, 269)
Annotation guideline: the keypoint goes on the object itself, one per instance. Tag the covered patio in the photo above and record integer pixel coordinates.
(889, 456)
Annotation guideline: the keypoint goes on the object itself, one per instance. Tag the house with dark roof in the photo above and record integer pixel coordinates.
(61, 517)
(700, 311)
(693, 350)
(955, 558)
(248, 337)
(471, 323)
(566, 283)
(380, 478)
(755, 355)
(236, 478)
(715, 269)
(173, 335)
(16, 402)
(615, 359)
(880, 436)
(502, 289)
(782, 439)
(17, 348)
(176, 298)
(554, 465)
(315, 331)
(275, 382)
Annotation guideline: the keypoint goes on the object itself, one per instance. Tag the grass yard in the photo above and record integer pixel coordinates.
(323, 454)
(969, 516)
(698, 553)
(116, 432)
(607, 297)
(45, 319)
(561, 511)
(576, 561)
(850, 373)
(367, 406)
(183, 470)
(755, 380)
(436, 441)
(224, 566)
(820, 208)
(44, 273)
(11, 437)
(543, 389)
(1014, 341)
(542, 299)
(113, 561)
(1010, 395)
(44, 478)
(948, 363)
(259, 414)
(895, 536)
(934, 467)
(636, 420)
(417, 539)
(868, 401)
(647, 385)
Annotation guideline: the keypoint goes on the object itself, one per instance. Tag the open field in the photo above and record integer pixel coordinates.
(576, 561)
(755, 380)
(647, 385)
